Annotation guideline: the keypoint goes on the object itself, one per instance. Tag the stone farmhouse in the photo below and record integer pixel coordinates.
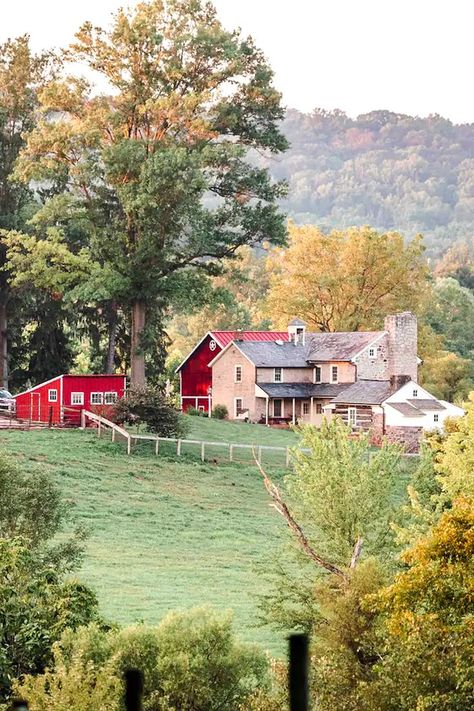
(369, 379)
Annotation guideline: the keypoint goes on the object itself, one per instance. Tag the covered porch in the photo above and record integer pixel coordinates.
(281, 404)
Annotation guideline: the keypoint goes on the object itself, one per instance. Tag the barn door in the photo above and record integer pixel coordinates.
(35, 403)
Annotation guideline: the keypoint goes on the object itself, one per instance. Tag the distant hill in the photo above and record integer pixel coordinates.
(389, 170)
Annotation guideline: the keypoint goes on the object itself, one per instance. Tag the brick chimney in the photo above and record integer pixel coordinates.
(402, 346)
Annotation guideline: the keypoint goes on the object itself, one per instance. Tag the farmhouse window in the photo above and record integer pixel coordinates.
(352, 416)
(319, 408)
(110, 398)
(77, 398)
(238, 406)
(97, 398)
(317, 374)
(306, 408)
(277, 408)
(436, 417)
(238, 374)
(277, 375)
(415, 393)
(372, 353)
(52, 395)
(334, 373)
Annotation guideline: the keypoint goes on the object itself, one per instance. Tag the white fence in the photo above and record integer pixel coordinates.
(229, 451)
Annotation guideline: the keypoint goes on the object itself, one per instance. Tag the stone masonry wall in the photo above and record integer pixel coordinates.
(409, 437)
(374, 368)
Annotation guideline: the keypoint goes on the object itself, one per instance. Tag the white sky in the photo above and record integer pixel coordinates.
(411, 56)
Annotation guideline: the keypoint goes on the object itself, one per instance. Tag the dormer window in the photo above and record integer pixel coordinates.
(372, 352)
(334, 374)
(317, 374)
(277, 375)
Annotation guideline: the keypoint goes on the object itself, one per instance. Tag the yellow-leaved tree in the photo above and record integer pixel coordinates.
(346, 280)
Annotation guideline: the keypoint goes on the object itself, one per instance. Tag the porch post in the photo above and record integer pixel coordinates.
(267, 405)
(294, 411)
(311, 410)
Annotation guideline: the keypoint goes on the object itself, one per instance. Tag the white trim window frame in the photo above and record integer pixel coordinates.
(277, 375)
(334, 374)
(415, 392)
(436, 417)
(238, 372)
(97, 398)
(52, 394)
(352, 416)
(372, 352)
(110, 397)
(317, 374)
(77, 398)
(238, 410)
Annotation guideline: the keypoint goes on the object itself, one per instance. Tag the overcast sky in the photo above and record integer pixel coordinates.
(410, 56)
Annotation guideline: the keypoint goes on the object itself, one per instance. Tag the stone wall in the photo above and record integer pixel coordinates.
(375, 368)
(409, 437)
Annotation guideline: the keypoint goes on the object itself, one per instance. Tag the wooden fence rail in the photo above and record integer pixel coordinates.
(229, 448)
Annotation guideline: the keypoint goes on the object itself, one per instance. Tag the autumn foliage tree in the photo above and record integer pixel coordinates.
(345, 280)
(160, 162)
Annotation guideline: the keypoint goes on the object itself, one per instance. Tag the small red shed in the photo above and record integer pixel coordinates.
(61, 399)
(194, 374)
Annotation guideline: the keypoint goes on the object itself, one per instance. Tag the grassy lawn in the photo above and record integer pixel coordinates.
(167, 533)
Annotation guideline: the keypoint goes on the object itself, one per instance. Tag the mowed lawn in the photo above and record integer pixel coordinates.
(166, 533)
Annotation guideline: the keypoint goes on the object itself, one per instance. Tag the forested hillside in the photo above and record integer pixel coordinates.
(391, 171)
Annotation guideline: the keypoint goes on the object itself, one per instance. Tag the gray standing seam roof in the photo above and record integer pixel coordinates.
(364, 392)
(302, 390)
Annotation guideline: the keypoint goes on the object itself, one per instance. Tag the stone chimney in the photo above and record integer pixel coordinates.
(402, 347)
(297, 331)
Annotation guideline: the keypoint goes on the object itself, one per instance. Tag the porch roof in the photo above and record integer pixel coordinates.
(302, 390)
(364, 392)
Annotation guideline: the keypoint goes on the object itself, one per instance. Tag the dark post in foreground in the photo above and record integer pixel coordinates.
(133, 690)
(298, 673)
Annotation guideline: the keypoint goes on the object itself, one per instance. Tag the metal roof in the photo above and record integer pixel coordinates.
(225, 337)
(406, 409)
(364, 392)
(426, 404)
(302, 390)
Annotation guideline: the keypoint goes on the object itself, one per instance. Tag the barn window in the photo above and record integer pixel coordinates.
(317, 374)
(238, 374)
(97, 398)
(77, 398)
(238, 406)
(277, 375)
(334, 373)
(110, 398)
(52, 395)
(319, 408)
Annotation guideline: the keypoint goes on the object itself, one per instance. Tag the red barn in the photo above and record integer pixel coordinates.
(61, 399)
(195, 376)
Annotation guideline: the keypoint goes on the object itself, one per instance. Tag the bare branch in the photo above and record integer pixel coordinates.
(282, 508)
(356, 552)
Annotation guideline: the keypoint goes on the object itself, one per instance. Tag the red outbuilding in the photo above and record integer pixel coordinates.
(61, 399)
(194, 374)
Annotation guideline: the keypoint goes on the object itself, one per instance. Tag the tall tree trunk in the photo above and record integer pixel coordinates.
(137, 358)
(3, 340)
(112, 326)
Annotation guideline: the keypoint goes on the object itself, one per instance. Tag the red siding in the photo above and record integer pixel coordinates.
(34, 404)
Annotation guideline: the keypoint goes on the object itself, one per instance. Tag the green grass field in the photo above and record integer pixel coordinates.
(167, 533)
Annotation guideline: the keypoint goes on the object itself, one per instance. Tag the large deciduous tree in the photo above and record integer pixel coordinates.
(160, 162)
(345, 280)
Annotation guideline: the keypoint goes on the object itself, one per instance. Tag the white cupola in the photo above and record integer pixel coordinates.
(297, 331)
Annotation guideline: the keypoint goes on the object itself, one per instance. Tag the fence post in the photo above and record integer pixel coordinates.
(133, 690)
(203, 451)
(113, 434)
(298, 676)
(157, 445)
(98, 428)
(83, 420)
(287, 457)
(231, 452)
(178, 447)
(129, 444)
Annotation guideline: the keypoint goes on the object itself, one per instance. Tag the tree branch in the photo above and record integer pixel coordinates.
(282, 508)
(356, 553)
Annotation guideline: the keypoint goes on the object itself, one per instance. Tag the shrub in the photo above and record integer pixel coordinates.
(190, 661)
(194, 412)
(147, 405)
(220, 412)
